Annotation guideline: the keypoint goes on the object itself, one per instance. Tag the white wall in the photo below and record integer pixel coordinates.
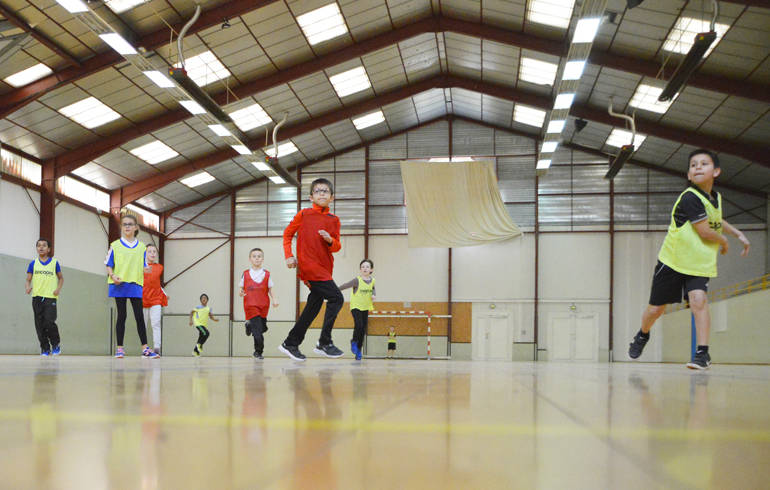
(209, 276)
(408, 274)
(81, 242)
(498, 271)
(20, 220)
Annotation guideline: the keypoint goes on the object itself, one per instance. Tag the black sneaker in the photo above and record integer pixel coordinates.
(328, 350)
(636, 347)
(248, 329)
(257, 355)
(701, 361)
(292, 351)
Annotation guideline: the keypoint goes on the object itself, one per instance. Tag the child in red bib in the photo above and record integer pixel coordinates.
(257, 293)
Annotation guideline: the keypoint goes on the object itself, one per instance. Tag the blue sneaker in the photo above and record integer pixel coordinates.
(150, 354)
(56, 350)
(45, 353)
(355, 349)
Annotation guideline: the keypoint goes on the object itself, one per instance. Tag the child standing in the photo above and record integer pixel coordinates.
(688, 257)
(125, 263)
(361, 304)
(44, 282)
(153, 295)
(318, 236)
(199, 317)
(391, 342)
(257, 292)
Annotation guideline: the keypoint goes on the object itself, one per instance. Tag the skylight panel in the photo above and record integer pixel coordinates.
(261, 166)
(350, 82)
(528, 115)
(250, 117)
(29, 75)
(120, 6)
(159, 78)
(563, 101)
(573, 70)
(682, 36)
(277, 179)
(283, 150)
(205, 68)
(536, 71)
(154, 152)
(322, 24)
(619, 137)
(73, 6)
(197, 179)
(646, 97)
(556, 126)
(369, 120)
(586, 29)
(89, 112)
(555, 13)
(117, 43)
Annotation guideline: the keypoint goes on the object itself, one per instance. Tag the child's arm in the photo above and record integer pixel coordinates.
(191, 317)
(110, 263)
(731, 230)
(706, 233)
(288, 235)
(28, 283)
(211, 315)
(349, 284)
(374, 293)
(60, 284)
(272, 296)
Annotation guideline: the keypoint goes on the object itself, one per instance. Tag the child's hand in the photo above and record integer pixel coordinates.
(191, 323)
(746, 244)
(148, 269)
(56, 291)
(291, 262)
(275, 302)
(28, 289)
(116, 279)
(725, 246)
(325, 235)
(242, 293)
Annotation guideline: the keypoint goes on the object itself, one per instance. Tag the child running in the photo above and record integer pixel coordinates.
(318, 236)
(44, 282)
(257, 292)
(199, 317)
(361, 304)
(391, 342)
(125, 263)
(688, 257)
(153, 295)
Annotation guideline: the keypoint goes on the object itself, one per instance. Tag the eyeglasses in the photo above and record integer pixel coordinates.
(322, 191)
(128, 224)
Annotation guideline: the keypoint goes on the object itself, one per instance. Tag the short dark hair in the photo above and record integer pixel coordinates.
(322, 181)
(47, 242)
(703, 151)
(202, 295)
(371, 264)
(151, 245)
(256, 249)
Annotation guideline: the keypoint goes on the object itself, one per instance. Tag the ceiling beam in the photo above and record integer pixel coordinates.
(73, 159)
(17, 21)
(18, 98)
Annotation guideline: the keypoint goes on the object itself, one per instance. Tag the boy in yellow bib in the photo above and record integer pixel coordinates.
(688, 257)
(199, 317)
(361, 304)
(44, 282)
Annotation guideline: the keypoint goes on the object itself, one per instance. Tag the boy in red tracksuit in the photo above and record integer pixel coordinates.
(318, 236)
(257, 291)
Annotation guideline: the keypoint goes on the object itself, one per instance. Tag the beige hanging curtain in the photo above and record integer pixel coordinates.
(454, 204)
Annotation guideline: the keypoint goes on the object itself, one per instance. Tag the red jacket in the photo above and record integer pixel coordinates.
(314, 255)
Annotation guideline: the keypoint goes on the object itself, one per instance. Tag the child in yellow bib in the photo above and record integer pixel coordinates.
(44, 282)
(688, 256)
(199, 318)
(126, 261)
(361, 303)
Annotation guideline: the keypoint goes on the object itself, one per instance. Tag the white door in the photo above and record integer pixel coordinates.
(586, 346)
(573, 337)
(561, 338)
(492, 337)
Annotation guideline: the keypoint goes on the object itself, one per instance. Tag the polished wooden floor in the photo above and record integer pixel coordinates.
(183, 423)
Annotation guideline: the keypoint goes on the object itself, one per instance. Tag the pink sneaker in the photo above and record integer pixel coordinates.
(120, 353)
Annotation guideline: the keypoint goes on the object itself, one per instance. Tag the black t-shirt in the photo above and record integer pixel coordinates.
(691, 208)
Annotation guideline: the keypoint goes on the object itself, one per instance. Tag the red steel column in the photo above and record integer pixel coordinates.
(48, 203)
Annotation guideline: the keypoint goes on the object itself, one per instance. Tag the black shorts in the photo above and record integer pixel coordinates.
(391, 346)
(670, 286)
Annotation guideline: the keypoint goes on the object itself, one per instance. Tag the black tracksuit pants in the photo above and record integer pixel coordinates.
(44, 310)
(360, 321)
(319, 291)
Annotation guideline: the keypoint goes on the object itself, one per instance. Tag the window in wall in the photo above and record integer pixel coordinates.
(84, 193)
(146, 218)
(20, 167)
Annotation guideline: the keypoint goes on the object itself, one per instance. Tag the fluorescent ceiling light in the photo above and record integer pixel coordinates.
(536, 71)
(29, 75)
(555, 13)
(117, 43)
(322, 23)
(242, 149)
(369, 120)
(197, 179)
(120, 6)
(277, 179)
(193, 107)
(89, 112)
(159, 78)
(619, 137)
(528, 115)
(283, 150)
(549, 146)
(250, 117)
(586, 30)
(682, 36)
(154, 152)
(205, 68)
(220, 130)
(543, 164)
(452, 160)
(556, 126)
(573, 70)
(350, 82)
(563, 101)
(261, 166)
(73, 6)
(646, 97)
